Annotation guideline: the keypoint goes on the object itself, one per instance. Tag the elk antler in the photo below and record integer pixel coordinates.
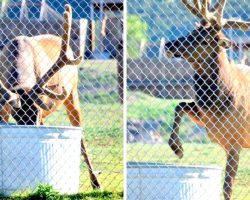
(237, 24)
(59, 64)
(200, 9)
(194, 10)
(204, 11)
(53, 95)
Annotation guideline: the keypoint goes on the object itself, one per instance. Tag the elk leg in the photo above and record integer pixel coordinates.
(183, 108)
(73, 111)
(231, 170)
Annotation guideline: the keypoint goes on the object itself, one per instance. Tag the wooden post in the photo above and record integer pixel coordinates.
(92, 29)
(161, 49)
(142, 47)
(3, 7)
(42, 10)
(120, 70)
(119, 58)
(103, 32)
(23, 11)
(83, 35)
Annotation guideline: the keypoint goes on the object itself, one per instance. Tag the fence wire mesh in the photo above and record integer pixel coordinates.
(89, 95)
(188, 87)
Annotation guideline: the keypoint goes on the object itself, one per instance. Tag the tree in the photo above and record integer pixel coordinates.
(136, 33)
(170, 19)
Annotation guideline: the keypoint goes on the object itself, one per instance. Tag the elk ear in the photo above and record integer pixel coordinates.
(225, 43)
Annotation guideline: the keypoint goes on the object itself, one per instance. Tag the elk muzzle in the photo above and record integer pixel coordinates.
(28, 113)
(7, 96)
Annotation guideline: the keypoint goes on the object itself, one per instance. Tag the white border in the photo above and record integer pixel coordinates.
(125, 99)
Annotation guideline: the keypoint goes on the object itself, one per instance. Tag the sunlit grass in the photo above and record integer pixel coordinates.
(102, 126)
(46, 192)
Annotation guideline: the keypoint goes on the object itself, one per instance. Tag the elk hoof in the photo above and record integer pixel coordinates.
(176, 146)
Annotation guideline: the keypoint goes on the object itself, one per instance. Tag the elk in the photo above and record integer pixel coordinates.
(221, 103)
(38, 74)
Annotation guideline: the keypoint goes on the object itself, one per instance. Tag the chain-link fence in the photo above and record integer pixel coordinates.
(50, 100)
(188, 119)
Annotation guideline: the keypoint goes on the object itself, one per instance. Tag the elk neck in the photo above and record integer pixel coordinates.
(236, 78)
(210, 92)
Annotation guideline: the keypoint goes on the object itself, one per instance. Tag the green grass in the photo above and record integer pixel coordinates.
(196, 154)
(98, 73)
(85, 196)
(46, 192)
(102, 126)
(143, 106)
(196, 151)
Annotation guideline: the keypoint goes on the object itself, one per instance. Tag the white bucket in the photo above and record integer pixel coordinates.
(32, 155)
(151, 181)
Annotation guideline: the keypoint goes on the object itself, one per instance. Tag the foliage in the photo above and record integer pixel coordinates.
(136, 33)
(42, 192)
(170, 19)
(46, 192)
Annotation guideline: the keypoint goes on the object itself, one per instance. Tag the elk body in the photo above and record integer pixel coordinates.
(24, 61)
(221, 87)
(38, 74)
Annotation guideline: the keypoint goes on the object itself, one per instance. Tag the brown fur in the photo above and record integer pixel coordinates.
(46, 49)
(29, 63)
(231, 129)
(226, 117)
(221, 88)
(36, 56)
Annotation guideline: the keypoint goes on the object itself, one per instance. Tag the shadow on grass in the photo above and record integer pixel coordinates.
(98, 195)
(46, 192)
(105, 195)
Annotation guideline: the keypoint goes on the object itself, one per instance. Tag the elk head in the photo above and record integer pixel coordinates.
(206, 42)
(27, 103)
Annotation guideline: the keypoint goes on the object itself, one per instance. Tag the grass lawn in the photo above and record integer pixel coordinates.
(143, 106)
(102, 124)
(196, 151)
(103, 133)
(196, 154)
(46, 192)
